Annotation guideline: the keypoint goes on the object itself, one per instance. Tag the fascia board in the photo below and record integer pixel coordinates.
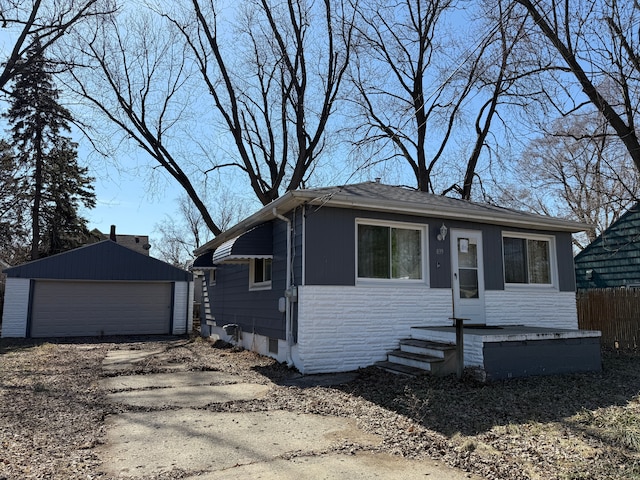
(298, 197)
(505, 218)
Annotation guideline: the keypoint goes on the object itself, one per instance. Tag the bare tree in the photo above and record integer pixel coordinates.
(252, 92)
(275, 86)
(40, 24)
(597, 40)
(136, 76)
(413, 98)
(577, 171)
(182, 234)
(185, 231)
(499, 75)
(395, 49)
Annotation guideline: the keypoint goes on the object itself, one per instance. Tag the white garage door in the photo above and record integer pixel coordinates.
(67, 309)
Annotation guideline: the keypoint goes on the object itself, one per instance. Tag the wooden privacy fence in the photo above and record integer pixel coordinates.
(613, 311)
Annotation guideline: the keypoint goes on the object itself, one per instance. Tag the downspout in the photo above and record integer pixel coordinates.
(287, 314)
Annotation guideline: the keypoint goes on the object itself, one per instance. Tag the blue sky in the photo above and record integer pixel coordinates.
(122, 200)
(135, 200)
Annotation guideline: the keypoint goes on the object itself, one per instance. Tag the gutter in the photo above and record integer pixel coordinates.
(288, 289)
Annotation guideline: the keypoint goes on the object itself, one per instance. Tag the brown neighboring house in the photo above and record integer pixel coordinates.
(138, 243)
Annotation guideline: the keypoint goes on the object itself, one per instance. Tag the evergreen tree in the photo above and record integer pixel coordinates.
(64, 229)
(58, 186)
(13, 203)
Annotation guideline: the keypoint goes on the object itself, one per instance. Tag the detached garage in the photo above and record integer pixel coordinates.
(99, 289)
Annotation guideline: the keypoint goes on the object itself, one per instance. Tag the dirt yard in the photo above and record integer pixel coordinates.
(585, 426)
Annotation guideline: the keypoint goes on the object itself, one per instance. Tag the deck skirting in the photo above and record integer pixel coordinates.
(519, 351)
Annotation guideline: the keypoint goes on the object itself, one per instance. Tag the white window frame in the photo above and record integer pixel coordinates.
(423, 228)
(264, 285)
(553, 263)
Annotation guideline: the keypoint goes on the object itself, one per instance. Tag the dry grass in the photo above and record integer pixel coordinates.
(558, 427)
(583, 426)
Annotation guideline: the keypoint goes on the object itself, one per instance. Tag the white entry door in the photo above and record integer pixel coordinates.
(468, 275)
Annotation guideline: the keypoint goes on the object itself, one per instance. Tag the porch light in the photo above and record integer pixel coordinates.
(443, 233)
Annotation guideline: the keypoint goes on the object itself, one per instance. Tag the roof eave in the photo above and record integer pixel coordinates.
(298, 197)
(281, 205)
(506, 218)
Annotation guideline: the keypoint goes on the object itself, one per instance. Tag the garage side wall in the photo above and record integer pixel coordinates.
(182, 307)
(16, 307)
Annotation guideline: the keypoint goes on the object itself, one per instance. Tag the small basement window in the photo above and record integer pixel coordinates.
(273, 345)
(260, 274)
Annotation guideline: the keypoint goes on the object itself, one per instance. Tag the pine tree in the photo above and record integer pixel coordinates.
(13, 203)
(64, 229)
(58, 186)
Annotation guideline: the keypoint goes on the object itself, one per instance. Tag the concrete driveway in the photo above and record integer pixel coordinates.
(165, 429)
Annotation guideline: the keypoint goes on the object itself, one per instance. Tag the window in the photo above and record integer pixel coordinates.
(212, 277)
(390, 251)
(527, 260)
(273, 345)
(260, 274)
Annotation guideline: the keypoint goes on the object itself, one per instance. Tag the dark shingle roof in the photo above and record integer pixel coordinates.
(105, 260)
(375, 196)
(389, 194)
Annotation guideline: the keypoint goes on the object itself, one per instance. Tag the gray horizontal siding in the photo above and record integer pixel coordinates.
(233, 303)
(255, 311)
(330, 248)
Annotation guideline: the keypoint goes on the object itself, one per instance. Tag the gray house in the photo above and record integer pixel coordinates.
(99, 289)
(334, 279)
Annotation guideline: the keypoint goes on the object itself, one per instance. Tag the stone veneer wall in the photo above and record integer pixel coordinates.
(343, 328)
(547, 308)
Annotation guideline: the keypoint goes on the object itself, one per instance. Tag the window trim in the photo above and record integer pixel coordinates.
(423, 228)
(264, 285)
(553, 260)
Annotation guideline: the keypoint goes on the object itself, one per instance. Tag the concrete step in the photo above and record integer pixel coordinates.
(415, 360)
(400, 369)
(426, 347)
(437, 358)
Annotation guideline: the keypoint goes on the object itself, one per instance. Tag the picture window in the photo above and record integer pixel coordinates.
(527, 260)
(394, 252)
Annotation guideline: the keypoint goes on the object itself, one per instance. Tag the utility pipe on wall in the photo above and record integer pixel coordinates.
(287, 314)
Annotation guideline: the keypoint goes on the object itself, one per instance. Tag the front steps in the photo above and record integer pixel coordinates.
(418, 357)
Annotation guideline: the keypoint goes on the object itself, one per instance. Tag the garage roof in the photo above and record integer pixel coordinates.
(104, 260)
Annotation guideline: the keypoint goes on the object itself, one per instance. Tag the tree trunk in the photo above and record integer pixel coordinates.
(37, 196)
(625, 132)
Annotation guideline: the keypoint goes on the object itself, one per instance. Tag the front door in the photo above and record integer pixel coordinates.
(468, 275)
